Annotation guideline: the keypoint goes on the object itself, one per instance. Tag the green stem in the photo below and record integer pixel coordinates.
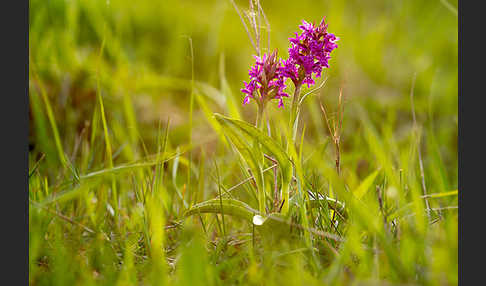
(259, 125)
(294, 117)
(295, 111)
(259, 116)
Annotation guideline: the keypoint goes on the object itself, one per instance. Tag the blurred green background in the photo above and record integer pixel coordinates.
(382, 44)
(144, 77)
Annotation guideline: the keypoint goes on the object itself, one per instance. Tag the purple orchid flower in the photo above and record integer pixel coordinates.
(266, 81)
(309, 53)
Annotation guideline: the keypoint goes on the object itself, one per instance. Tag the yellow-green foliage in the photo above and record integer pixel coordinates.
(133, 105)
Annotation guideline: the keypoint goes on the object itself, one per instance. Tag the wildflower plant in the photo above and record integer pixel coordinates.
(308, 55)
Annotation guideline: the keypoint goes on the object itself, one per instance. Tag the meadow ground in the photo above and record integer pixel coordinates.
(142, 170)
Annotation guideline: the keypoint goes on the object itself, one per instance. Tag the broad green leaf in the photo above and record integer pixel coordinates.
(227, 206)
(269, 146)
(248, 154)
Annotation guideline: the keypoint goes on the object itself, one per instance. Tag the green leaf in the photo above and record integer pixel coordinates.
(250, 156)
(440, 195)
(269, 146)
(365, 185)
(227, 206)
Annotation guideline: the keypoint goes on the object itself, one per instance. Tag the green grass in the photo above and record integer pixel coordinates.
(133, 179)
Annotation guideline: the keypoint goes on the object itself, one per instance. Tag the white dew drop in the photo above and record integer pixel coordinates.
(258, 220)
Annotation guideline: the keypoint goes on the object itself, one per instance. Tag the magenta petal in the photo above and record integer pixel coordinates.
(246, 100)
